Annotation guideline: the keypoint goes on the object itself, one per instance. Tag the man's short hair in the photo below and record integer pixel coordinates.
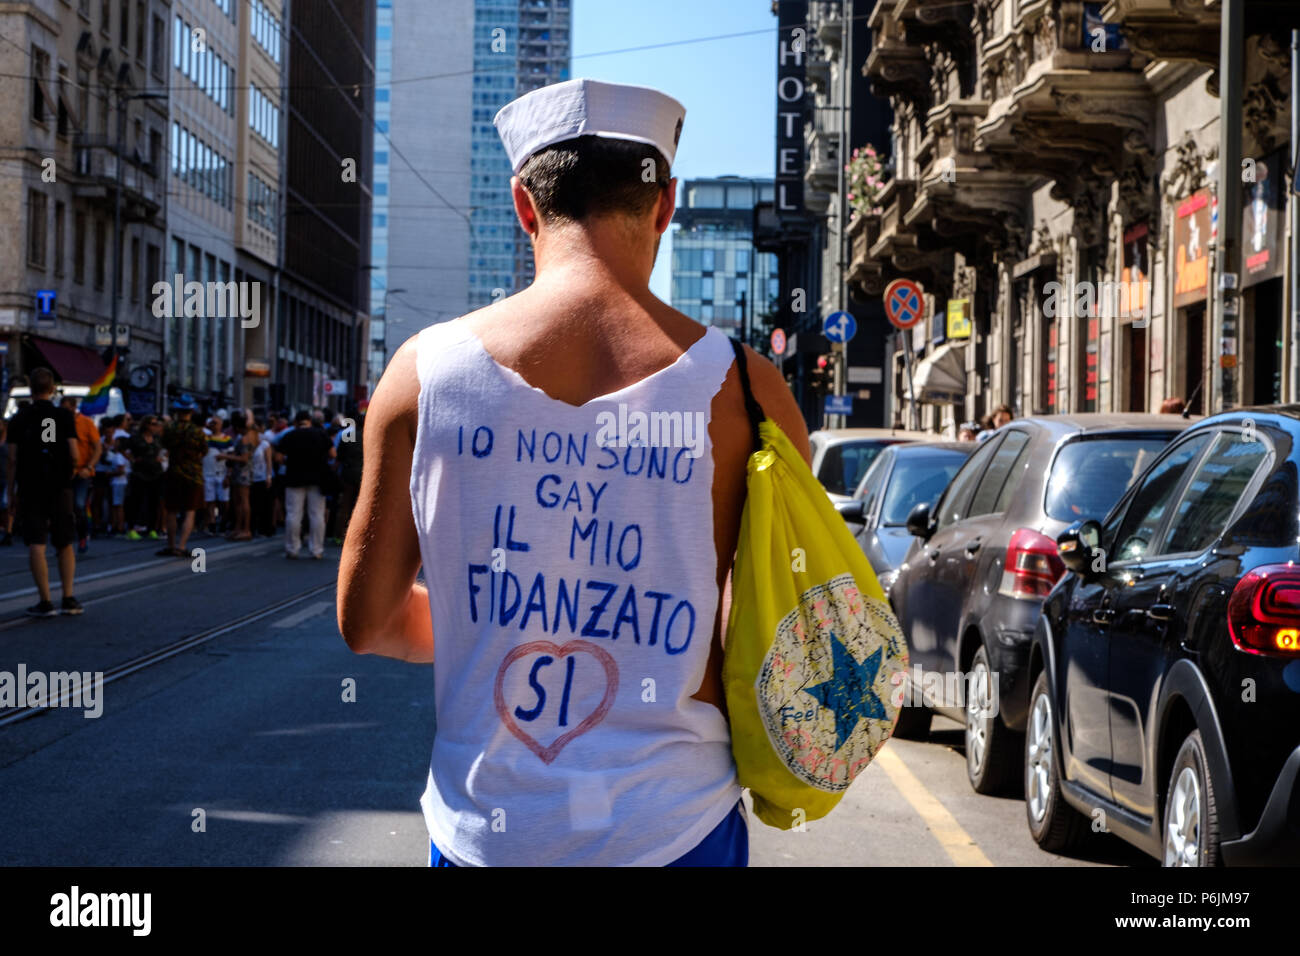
(302, 416)
(42, 382)
(594, 176)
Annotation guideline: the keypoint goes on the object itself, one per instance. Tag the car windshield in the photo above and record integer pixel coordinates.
(846, 462)
(918, 478)
(1090, 475)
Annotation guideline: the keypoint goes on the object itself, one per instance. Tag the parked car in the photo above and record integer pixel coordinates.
(1166, 666)
(901, 477)
(970, 589)
(841, 456)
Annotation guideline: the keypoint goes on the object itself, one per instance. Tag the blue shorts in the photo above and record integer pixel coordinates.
(726, 845)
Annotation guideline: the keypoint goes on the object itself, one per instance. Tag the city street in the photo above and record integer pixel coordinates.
(247, 723)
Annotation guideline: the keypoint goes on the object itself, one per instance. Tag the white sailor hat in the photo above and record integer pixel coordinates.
(585, 107)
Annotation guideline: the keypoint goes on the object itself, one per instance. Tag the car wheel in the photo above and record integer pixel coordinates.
(991, 748)
(1054, 824)
(1191, 819)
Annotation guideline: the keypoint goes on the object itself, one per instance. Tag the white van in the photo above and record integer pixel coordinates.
(116, 406)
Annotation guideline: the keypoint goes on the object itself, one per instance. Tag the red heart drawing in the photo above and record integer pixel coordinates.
(548, 754)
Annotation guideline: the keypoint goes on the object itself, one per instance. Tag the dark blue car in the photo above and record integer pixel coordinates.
(1166, 667)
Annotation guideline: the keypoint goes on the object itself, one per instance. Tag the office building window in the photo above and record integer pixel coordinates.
(101, 251)
(79, 247)
(37, 214)
(40, 74)
(135, 268)
(158, 43)
(58, 238)
(124, 24)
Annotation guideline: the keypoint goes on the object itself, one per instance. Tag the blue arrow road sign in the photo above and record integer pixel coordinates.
(839, 326)
(839, 405)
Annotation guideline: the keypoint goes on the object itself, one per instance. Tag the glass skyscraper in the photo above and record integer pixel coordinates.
(718, 277)
(519, 46)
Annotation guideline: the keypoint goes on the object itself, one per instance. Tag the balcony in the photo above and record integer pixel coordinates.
(1059, 110)
(823, 172)
(818, 73)
(895, 66)
(1168, 29)
(96, 171)
(961, 194)
(866, 275)
(828, 27)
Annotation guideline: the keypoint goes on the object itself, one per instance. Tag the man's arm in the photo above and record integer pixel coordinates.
(13, 471)
(381, 609)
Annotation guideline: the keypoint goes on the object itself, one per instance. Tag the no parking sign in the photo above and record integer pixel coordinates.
(904, 303)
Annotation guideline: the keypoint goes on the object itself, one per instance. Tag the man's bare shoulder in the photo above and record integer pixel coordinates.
(773, 393)
(398, 393)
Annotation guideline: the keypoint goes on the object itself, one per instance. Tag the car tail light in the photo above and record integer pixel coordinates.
(1032, 565)
(1264, 611)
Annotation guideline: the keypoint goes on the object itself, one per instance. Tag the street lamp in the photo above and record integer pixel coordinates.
(117, 202)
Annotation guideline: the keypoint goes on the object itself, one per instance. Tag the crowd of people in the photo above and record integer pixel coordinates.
(69, 479)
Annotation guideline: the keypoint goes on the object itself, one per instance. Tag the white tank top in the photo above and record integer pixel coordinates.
(571, 567)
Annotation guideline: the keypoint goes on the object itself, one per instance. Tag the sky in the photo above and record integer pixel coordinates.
(728, 85)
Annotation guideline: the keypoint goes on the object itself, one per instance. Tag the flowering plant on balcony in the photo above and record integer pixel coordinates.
(865, 181)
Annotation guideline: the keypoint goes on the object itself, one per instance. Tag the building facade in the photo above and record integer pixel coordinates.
(1056, 191)
(519, 46)
(321, 334)
(718, 278)
(428, 217)
(204, 139)
(825, 112)
(82, 150)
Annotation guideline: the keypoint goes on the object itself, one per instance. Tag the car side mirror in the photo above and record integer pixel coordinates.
(852, 510)
(1079, 545)
(919, 522)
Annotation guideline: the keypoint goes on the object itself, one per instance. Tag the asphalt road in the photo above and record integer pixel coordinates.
(243, 749)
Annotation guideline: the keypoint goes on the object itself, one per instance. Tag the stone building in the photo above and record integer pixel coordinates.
(67, 138)
(1055, 192)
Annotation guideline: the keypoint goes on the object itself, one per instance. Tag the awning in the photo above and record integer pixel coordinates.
(74, 364)
(941, 378)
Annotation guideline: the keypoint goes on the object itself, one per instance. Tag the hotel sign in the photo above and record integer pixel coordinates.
(791, 60)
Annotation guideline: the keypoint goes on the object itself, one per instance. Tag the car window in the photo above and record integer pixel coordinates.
(872, 482)
(917, 478)
(1151, 502)
(845, 464)
(1202, 513)
(1090, 474)
(952, 506)
(1002, 476)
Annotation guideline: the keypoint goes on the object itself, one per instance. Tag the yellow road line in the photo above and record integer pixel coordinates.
(956, 842)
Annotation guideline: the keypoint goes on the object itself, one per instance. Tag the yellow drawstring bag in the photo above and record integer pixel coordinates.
(814, 656)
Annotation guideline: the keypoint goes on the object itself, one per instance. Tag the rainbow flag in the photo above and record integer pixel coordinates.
(96, 401)
(221, 442)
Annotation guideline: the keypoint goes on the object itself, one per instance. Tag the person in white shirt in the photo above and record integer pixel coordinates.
(216, 488)
(565, 573)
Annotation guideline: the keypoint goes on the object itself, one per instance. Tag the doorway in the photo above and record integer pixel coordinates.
(1193, 334)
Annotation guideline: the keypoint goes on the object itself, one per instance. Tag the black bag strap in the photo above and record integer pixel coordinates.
(752, 408)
